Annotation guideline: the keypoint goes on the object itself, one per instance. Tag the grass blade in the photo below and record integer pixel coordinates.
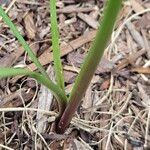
(22, 41)
(91, 62)
(55, 45)
(58, 93)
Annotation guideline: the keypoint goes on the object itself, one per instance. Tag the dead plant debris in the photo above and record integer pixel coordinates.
(115, 113)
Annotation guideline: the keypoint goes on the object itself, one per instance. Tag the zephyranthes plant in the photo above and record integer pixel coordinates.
(67, 106)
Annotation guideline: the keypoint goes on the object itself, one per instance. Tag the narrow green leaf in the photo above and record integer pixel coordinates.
(58, 93)
(55, 45)
(22, 41)
(91, 62)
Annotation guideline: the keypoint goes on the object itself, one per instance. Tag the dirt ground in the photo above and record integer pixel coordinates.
(115, 112)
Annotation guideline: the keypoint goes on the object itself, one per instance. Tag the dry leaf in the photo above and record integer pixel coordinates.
(30, 26)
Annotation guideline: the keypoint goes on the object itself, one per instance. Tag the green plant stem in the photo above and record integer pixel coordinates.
(91, 62)
(55, 45)
(22, 41)
(58, 93)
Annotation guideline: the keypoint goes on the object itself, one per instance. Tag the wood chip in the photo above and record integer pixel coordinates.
(144, 96)
(14, 99)
(9, 59)
(137, 7)
(30, 26)
(89, 20)
(47, 56)
(130, 59)
(44, 103)
(146, 43)
(141, 70)
(74, 9)
(135, 34)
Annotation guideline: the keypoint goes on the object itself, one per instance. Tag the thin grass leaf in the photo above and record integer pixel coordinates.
(58, 93)
(22, 41)
(55, 45)
(91, 62)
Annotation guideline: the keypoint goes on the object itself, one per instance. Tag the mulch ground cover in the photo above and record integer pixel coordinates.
(115, 111)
